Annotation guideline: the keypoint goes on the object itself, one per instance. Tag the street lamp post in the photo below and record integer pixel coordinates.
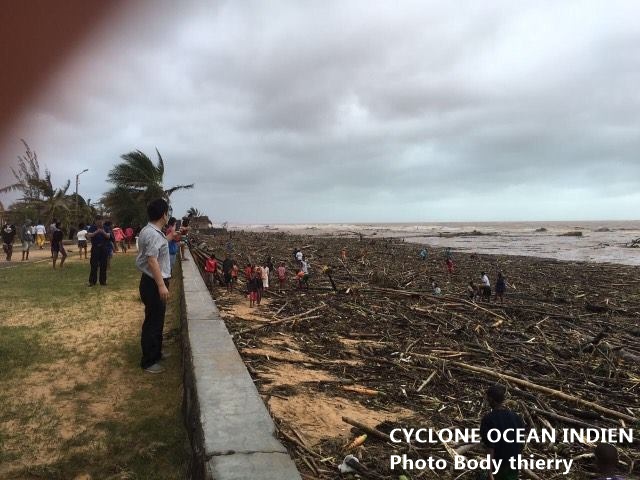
(77, 177)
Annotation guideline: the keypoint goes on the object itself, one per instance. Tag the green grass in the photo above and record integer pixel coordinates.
(141, 436)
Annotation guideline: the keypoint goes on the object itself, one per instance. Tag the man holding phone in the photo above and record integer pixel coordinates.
(153, 262)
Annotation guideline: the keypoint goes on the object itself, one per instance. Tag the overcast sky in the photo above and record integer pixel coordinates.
(352, 111)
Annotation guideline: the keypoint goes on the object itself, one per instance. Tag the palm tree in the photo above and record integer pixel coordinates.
(27, 173)
(53, 202)
(137, 181)
(194, 212)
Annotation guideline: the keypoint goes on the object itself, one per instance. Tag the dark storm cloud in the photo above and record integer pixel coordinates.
(346, 111)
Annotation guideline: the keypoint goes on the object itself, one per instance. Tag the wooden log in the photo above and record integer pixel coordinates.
(562, 418)
(361, 390)
(283, 320)
(540, 388)
(370, 430)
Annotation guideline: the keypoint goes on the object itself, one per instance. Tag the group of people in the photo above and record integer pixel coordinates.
(475, 291)
(256, 277)
(28, 233)
(483, 291)
(112, 238)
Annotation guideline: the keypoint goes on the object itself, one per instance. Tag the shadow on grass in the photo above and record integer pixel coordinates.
(21, 349)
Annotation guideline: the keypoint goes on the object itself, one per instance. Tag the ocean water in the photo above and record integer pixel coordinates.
(601, 241)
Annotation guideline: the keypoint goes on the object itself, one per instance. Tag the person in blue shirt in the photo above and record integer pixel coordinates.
(173, 245)
(100, 239)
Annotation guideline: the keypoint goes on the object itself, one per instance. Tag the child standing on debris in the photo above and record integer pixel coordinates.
(303, 280)
(449, 264)
(211, 267)
(471, 291)
(501, 287)
(423, 254)
(259, 284)
(282, 275)
(252, 288)
(234, 273)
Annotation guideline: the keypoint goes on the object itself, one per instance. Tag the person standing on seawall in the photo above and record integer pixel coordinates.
(153, 262)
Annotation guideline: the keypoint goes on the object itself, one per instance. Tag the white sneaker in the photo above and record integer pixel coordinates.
(155, 368)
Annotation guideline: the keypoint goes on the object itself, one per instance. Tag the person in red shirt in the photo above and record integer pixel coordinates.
(128, 233)
(119, 237)
(449, 264)
(211, 267)
(282, 275)
(303, 280)
(248, 270)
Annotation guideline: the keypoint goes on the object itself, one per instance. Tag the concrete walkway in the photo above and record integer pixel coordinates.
(233, 434)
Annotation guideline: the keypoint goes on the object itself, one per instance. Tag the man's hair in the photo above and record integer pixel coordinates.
(496, 393)
(98, 217)
(606, 455)
(157, 208)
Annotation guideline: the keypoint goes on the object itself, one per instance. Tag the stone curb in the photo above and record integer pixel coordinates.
(231, 432)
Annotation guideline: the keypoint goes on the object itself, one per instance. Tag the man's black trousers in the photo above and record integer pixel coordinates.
(154, 309)
(98, 260)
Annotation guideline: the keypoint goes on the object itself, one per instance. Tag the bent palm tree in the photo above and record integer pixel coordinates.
(27, 173)
(137, 181)
(53, 201)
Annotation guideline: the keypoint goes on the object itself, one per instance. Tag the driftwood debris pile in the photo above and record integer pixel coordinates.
(566, 343)
(635, 243)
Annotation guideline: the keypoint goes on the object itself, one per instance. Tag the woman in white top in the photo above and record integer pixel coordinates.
(82, 240)
(265, 277)
(486, 287)
(40, 233)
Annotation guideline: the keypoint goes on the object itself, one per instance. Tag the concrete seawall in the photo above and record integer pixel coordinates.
(232, 434)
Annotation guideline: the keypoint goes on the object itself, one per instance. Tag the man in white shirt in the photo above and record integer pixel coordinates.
(153, 262)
